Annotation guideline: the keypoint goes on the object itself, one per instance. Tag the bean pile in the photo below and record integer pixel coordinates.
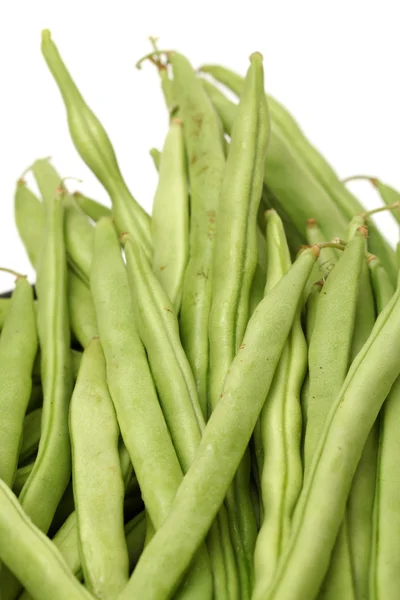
(205, 403)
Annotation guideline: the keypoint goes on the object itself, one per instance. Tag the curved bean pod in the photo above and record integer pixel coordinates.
(322, 502)
(132, 390)
(280, 425)
(225, 438)
(361, 498)
(206, 163)
(97, 478)
(170, 216)
(78, 230)
(156, 156)
(18, 347)
(31, 555)
(94, 147)
(329, 363)
(235, 260)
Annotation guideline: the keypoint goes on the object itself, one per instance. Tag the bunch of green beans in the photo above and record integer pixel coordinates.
(203, 403)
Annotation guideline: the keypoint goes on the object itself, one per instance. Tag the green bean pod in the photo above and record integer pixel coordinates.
(132, 390)
(97, 478)
(30, 220)
(170, 216)
(329, 362)
(81, 310)
(292, 184)
(206, 163)
(51, 471)
(321, 506)
(159, 330)
(95, 210)
(31, 555)
(235, 260)
(381, 283)
(18, 347)
(347, 204)
(224, 440)
(94, 147)
(361, 498)
(280, 425)
(30, 436)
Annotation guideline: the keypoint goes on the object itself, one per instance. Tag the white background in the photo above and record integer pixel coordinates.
(334, 64)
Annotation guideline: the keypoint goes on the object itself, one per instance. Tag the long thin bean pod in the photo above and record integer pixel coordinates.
(97, 478)
(235, 260)
(280, 425)
(206, 164)
(225, 438)
(170, 216)
(139, 414)
(18, 347)
(94, 147)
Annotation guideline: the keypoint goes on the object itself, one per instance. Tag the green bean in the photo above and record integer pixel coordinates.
(97, 479)
(280, 425)
(283, 122)
(30, 436)
(322, 502)
(131, 386)
(52, 467)
(329, 362)
(159, 330)
(94, 147)
(170, 216)
(361, 498)
(292, 184)
(338, 582)
(206, 164)
(30, 220)
(31, 555)
(156, 156)
(235, 260)
(224, 440)
(78, 230)
(18, 347)
(81, 310)
(95, 210)
(311, 314)
(381, 284)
